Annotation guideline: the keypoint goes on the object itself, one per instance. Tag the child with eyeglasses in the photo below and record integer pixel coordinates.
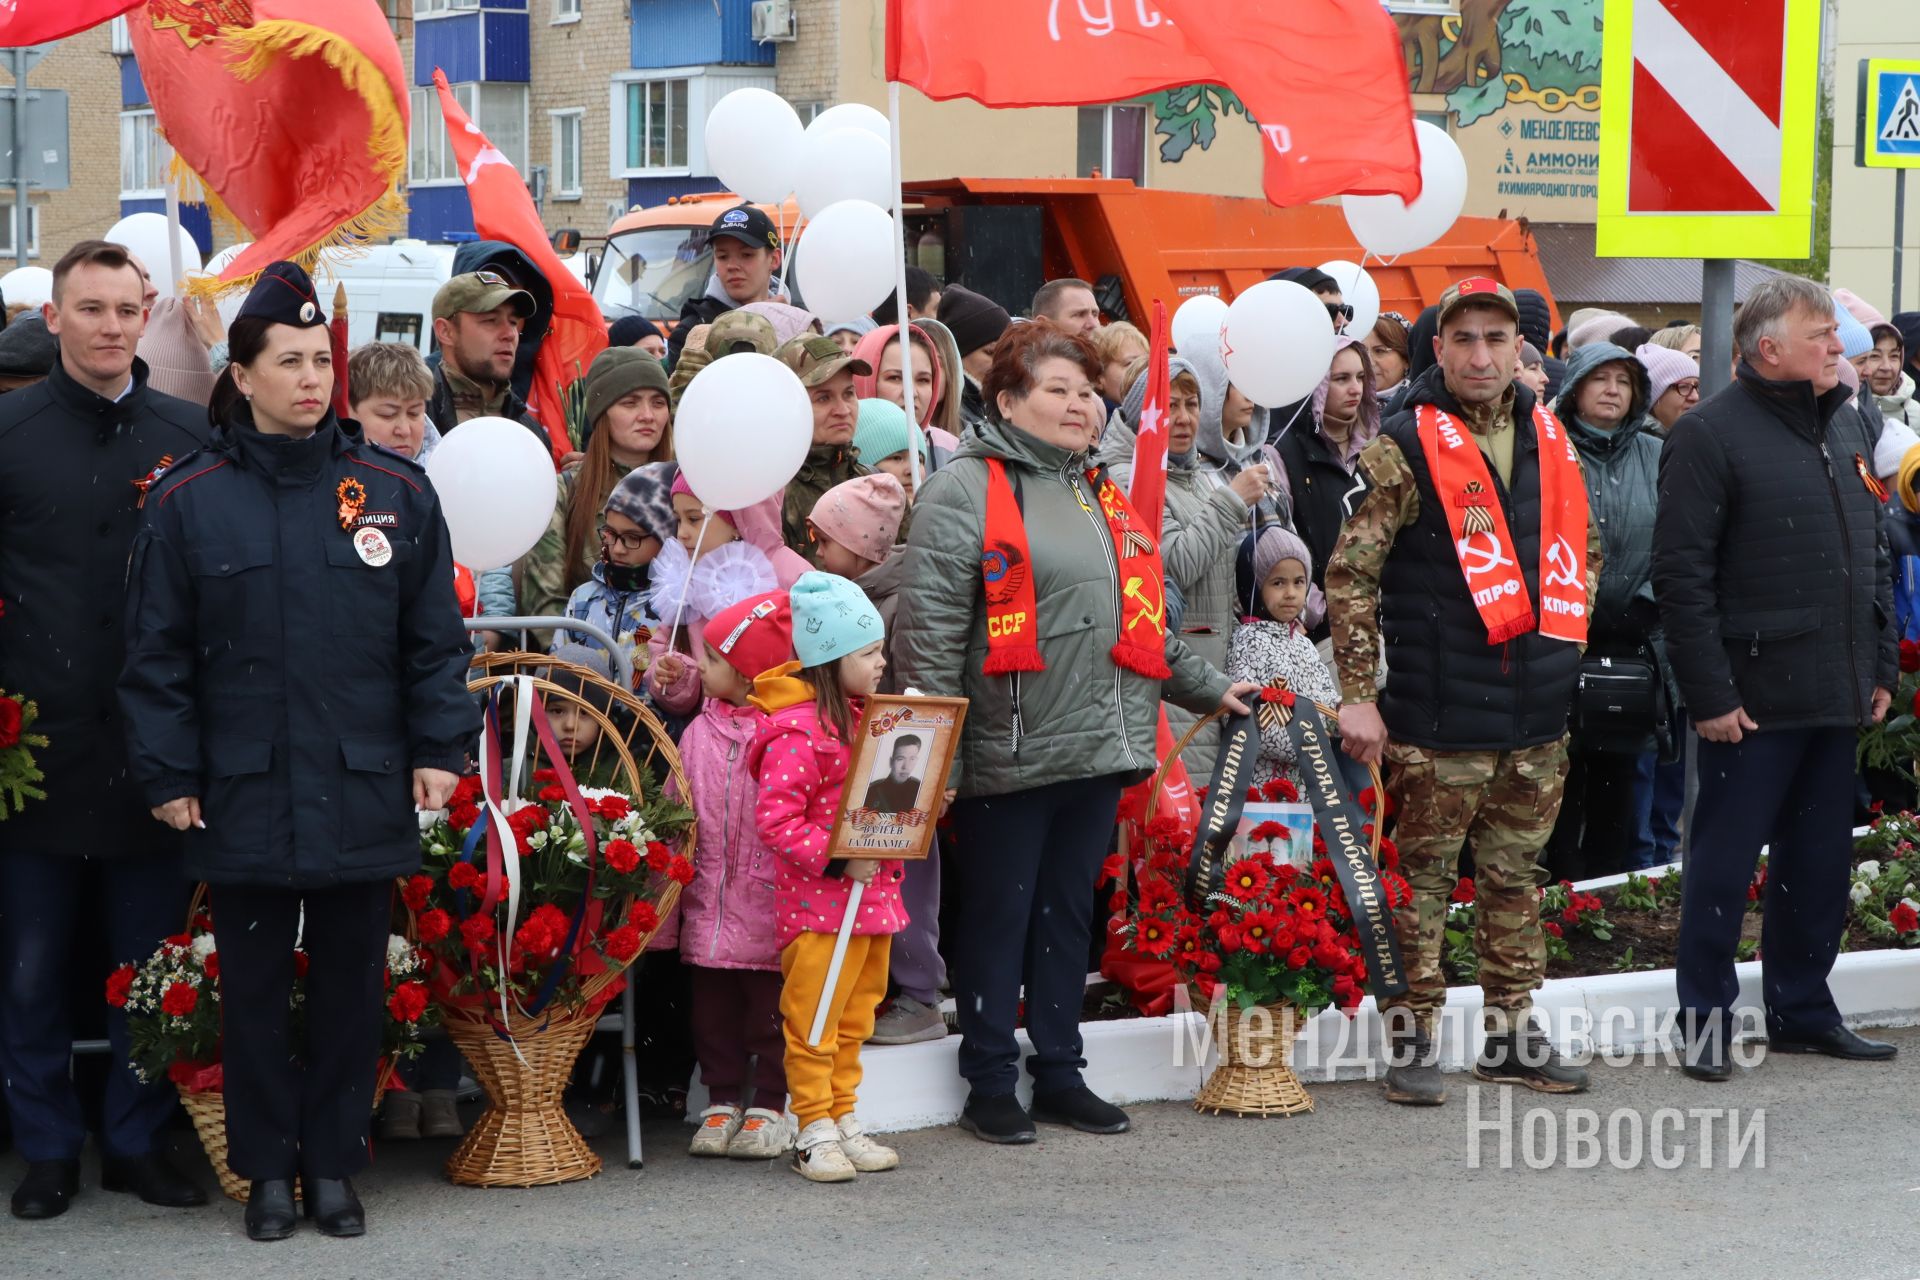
(616, 597)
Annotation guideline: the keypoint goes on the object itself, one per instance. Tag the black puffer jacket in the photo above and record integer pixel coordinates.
(1447, 688)
(1770, 560)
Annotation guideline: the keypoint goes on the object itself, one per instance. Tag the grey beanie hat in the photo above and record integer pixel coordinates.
(620, 371)
(27, 350)
(646, 498)
(1277, 543)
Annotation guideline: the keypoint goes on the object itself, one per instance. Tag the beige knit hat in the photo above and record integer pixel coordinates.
(176, 362)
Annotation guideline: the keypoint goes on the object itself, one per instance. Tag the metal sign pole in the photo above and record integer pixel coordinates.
(22, 218)
(1716, 325)
(1899, 232)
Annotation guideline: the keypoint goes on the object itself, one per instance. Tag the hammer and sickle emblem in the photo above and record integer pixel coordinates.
(1478, 559)
(1150, 610)
(1563, 566)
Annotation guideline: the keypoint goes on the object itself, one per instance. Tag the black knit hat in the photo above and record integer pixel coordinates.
(975, 321)
(27, 350)
(284, 294)
(627, 331)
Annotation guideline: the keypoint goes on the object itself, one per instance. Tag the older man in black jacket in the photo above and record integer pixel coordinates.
(77, 455)
(1775, 586)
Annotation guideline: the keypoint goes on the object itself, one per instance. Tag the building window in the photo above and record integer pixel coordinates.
(807, 111)
(566, 11)
(499, 109)
(1113, 141)
(122, 41)
(7, 221)
(399, 17)
(656, 120)
(143, 156)
(566, 153)
(429, 8)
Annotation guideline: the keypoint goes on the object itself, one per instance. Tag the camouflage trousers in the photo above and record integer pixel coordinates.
(1505, 803)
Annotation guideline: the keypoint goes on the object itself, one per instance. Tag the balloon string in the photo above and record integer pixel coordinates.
(680, 609)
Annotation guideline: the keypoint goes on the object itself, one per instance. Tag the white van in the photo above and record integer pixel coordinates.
(390, 290)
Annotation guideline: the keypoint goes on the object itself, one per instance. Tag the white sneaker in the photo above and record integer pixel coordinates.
(865, 1154)
(763, 1135)
(818, 1157)
(717, 1127)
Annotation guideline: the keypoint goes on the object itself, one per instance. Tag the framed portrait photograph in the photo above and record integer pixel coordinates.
(902, 751)
(1284, 830)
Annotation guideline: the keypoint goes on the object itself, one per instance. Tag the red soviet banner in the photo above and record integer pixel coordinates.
(1323, 78)
(25, 22)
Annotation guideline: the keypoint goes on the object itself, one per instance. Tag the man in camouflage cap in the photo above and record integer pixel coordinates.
(731, 334)
(476, 322)
(1472, 720)
(827, 373)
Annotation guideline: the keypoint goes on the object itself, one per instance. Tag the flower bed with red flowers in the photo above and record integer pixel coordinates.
(589, 899)
(20, 777)
(172, 1002)
(1274, 932)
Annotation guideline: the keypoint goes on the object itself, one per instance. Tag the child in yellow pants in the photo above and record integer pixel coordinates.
(800, 759)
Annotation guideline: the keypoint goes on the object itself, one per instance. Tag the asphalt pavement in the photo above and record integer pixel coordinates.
(1358, 1188)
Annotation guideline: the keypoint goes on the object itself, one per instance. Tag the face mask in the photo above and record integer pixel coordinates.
(626, 577)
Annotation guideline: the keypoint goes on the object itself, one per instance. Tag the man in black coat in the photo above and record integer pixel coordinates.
(1775, 586)
(78, 452)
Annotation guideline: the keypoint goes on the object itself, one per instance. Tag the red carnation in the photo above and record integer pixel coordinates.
(179, 999)
(464, 875)
(433, 925)
(1281, 789)
(416, 892)
(551, 794)
(658, 857)
(622, 856)
(1463, 891)
(477, 932)
(524, 822)
(408, 1002)
(1298, 957)
(1114, 868)
(1910, 655)
(467, 790)
(1552, 928)
(461, 815)
(119, 984)
(10, 716)
(1117, 902)
(643, 917)
(211, 965)
(613, 808)
(680, 871)
(1903, 918)
(545, 775)
(624, 943)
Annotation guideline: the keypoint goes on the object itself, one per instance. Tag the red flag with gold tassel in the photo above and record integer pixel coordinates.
(292, 116)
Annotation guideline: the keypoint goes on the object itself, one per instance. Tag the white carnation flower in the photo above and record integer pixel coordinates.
(203, 946)
(430, 818)
(1867, 870)
(399, 952)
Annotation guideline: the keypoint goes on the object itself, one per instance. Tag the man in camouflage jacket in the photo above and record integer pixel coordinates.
(1474, 734)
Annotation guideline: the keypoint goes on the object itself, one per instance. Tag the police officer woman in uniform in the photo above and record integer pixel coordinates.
(295, 684)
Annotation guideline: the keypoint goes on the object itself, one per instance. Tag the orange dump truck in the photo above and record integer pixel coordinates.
(1005, 236)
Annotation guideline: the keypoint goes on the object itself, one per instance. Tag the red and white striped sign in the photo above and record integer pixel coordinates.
(1708, 96)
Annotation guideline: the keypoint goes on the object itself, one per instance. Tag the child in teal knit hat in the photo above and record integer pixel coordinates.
(883, 436)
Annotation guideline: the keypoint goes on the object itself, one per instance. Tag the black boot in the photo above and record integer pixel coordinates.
(997, 1118)
(152, 1179)
(332, 1206)
(1413, 1071)
(1527, 1057)
(270, 1209)
(50, 1185)
(1081, 1108)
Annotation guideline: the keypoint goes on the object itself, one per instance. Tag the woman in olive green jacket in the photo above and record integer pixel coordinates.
(1045, 753)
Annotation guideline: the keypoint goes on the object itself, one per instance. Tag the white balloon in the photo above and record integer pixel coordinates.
(753, 144)
(145, 234)
(842, 164)
(1196, 327)
(230, 302)
(31, 285)
(1277, 342)
(1361, 293)
(743, 428)
(843, 264)
(1387, 225)
(853, 115)
(496, 486)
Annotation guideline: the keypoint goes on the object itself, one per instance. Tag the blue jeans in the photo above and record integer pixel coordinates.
(1659, 795)
(126, 905)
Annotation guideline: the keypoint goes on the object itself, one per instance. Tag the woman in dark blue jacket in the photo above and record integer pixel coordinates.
(295, 684)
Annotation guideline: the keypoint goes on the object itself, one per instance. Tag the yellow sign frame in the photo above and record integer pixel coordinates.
(1867, 145)
(1620, 234)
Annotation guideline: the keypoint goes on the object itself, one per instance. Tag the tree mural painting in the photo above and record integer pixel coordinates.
(1543, 52)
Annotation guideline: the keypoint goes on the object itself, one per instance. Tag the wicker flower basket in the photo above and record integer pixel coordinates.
(524, 1138)
(1255, 1075)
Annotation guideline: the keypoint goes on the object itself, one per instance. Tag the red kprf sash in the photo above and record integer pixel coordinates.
(1006, 570)
(1484, 544)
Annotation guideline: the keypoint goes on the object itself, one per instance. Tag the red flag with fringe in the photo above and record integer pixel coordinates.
(291, 115)
(502, 210)
(25, 22)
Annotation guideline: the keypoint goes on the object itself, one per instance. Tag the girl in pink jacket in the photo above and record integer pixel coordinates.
(800, 760)
(727, 914)
(673, 674)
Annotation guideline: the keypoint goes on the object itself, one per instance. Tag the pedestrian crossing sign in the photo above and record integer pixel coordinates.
(1889, 115)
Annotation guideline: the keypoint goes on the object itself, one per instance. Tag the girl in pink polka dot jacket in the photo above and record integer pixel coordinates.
(799, 761)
